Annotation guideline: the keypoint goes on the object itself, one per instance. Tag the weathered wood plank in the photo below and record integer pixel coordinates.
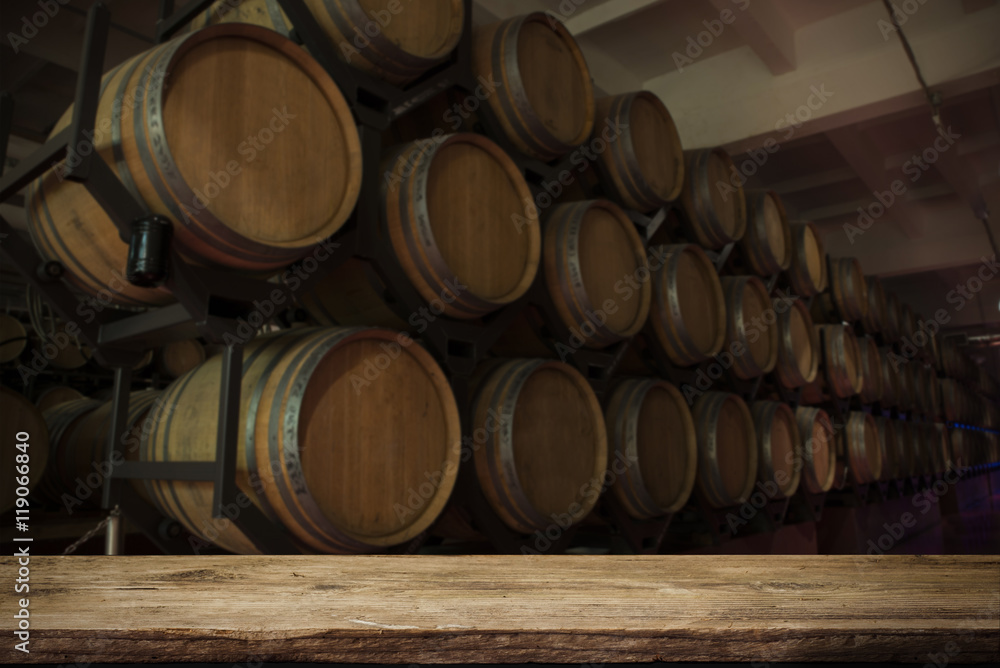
(564, 609)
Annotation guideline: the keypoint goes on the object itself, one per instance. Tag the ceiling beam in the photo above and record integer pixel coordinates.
(581, 22)
(765, 30)
(859, 152)
(850, 208)
(729, 99)
(814, 180)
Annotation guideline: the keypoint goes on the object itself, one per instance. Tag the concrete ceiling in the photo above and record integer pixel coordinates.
(836, 64)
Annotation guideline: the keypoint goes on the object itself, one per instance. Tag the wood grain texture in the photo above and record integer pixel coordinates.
(562, 609)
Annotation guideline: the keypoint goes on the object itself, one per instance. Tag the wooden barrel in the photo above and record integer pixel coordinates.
(871, 370)
(875, 318)
(596, 271)
(963, 450)
(893, 330)
(688, 313)
(463, 226)
(906, 440)
(842, 363)
(916, 383)
(178, 357)
(318, 451)
(862, 447)
(928, 456)
(779, 447)
(81, 459)
(819, 456)
(727, 449)
(908, 324)
(932, 390)
(544, 448)
(650, 430)
(889, 447)
(20, 423)
(55, 395)
(644, 167)
(807, 269)
(890, 380)
(394, 41)
(942, 447)
(906, 399)
(848, 288)
(767, 242)
(714, 216)
(60, 421)
(954, 400)
(245, 107)
(751, 328)
(545, 100)
(798, 345)
(13, 338)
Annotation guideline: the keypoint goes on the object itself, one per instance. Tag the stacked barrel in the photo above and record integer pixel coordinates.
(733, 338)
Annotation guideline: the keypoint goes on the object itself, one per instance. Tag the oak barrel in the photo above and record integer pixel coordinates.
(751, 327)
(906, 438)
(545, 100)
(225, 131)
(13, 338)
(889, 448)
(543, 450)
(715, 209)
(890, 379)
(848, 288)
(863, 449)
(178, 357)
(818, 451)
(779, 447)
(55, 395)
(644, 167)
(348, 437)
(688, 314)
(60, 420)
(394, 41)
(80, 456)
(871, 370)
(876, 316)
(767, 242)
(462, 225)
(596, 271)
(807, 271)
(650, 428)
(798, 344)
(727, 449)
(893, 318)
(20, 423)
(841, 360)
